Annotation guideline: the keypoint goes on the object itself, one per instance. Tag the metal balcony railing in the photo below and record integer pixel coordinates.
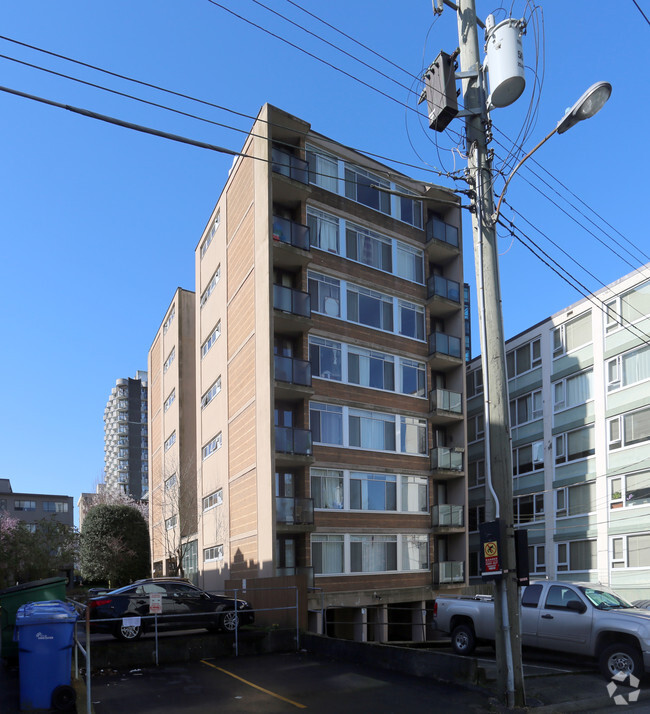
(446, 514)
(449, 571)
(295, 234)
(293, 441)
(294, 511)
(293, 371)
(439, 230)
(437, 286)
(289, 165)
(292, 301)
(445, 400)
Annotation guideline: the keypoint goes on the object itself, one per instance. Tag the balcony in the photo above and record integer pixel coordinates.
(448, 518)
(306, 570)
(444, 351)
(445, 407)
(292, 310)
(443, 243)
(292, 378)
(294, 513)
(291, 244)
(293, 446)
(447, 462)
(443, 296)
(449, 572)
(291, 177)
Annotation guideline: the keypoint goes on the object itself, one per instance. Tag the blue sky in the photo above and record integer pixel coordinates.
(99, 223)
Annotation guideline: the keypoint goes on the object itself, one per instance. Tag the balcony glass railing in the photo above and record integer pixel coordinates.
(450, 571)
(294, 511)
(441, 343)
(439, 230)
(289, 165)
(293, 371)
(293, 301)
(446, 458)
(437, 286)
(286, 231)
(444, 400)
(293, 441)
(305, 570)
(447, 514)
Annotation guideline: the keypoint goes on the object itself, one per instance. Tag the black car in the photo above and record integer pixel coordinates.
(184, 606)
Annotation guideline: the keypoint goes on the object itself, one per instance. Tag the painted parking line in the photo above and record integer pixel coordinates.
(255, 686)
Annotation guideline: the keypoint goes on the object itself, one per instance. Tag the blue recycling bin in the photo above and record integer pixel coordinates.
(45, 634)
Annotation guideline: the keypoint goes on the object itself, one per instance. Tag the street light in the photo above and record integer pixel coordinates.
(590, 103)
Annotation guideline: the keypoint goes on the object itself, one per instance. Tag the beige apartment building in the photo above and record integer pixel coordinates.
(329, 364)
(172, 441)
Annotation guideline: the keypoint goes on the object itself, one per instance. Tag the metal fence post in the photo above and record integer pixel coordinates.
(297, 622)
(237, 625)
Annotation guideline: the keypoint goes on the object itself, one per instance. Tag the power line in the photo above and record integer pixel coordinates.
(645, 17)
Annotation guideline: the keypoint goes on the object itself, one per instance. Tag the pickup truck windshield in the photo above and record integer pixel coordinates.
(605, 599)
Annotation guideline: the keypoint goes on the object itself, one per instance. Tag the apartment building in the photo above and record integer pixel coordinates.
(172, 441)
(33, 507)
(126, 459)
(330, 345)
(579, 389)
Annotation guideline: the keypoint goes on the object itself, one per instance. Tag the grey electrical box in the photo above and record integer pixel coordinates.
(440, 91)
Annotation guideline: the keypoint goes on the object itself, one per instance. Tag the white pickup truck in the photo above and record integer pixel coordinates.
(579, 618)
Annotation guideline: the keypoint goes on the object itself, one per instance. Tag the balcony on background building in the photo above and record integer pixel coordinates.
(443, 296)
(444, 351)
(448, 518)
(445, 407)
(292, 310)
(447, 462)
(449, 572)
(292, 378)
(292, 173)
(293, 446)
(443, 243)
(293, 513)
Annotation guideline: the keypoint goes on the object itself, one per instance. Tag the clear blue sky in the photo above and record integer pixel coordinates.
(99, 223)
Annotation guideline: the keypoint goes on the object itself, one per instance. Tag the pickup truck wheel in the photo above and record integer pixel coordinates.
(463, 640)
(621, 658)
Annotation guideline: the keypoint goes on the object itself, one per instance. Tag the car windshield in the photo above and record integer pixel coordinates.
(605, 599)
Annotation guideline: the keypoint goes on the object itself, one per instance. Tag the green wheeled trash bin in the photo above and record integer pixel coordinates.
(12, 598)
(45, 635)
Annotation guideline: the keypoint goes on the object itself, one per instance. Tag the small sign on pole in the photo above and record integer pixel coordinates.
(155, 603)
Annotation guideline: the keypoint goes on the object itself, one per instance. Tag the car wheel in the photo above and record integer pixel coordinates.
(229, 621)
(621, 659)
(463, 640)
(64, 698)
(127, 632)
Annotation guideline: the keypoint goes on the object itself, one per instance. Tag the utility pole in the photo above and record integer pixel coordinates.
(510, 679)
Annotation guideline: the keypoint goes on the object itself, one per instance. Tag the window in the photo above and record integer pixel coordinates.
(211, 393)
(213, 229)
(528, 458)
(628, 429)
(475, 428)
(415, 552)
(373, 553)
(410, 263)
(577, 444)
(572, 391)
(536, 560)
(170, 400)
(213, 553)
(474, 383)
(524, 358)
(325, 294)
(55, 506)
(631, 551)
(571, 335)
(529, 508)
(323, 231)
(214, 499)
(527, 408)
(475, 516)
(411, 320)
(327, 488)
(413, 435)
(323, 169)
(171, 482)
(413, 377)
(415, 494)
(327, 554)
(211, 446)
(628, 307)
(629, 368)
(207, 345)
(358, 184)
(326, 423)
(372, 430)
(630, 490)
(575, 500)
(409, 209)
(211, 286)
(373, 492)
(325, 358)
(170, 523)
(578, 555)
(123, 452)
(368, 307)
(170, 442)
(371, 369)
(365, 246)
(169, 320)
(476, 473)
(169, 360)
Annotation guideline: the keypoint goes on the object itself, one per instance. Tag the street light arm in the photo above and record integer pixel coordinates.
(495, 217)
